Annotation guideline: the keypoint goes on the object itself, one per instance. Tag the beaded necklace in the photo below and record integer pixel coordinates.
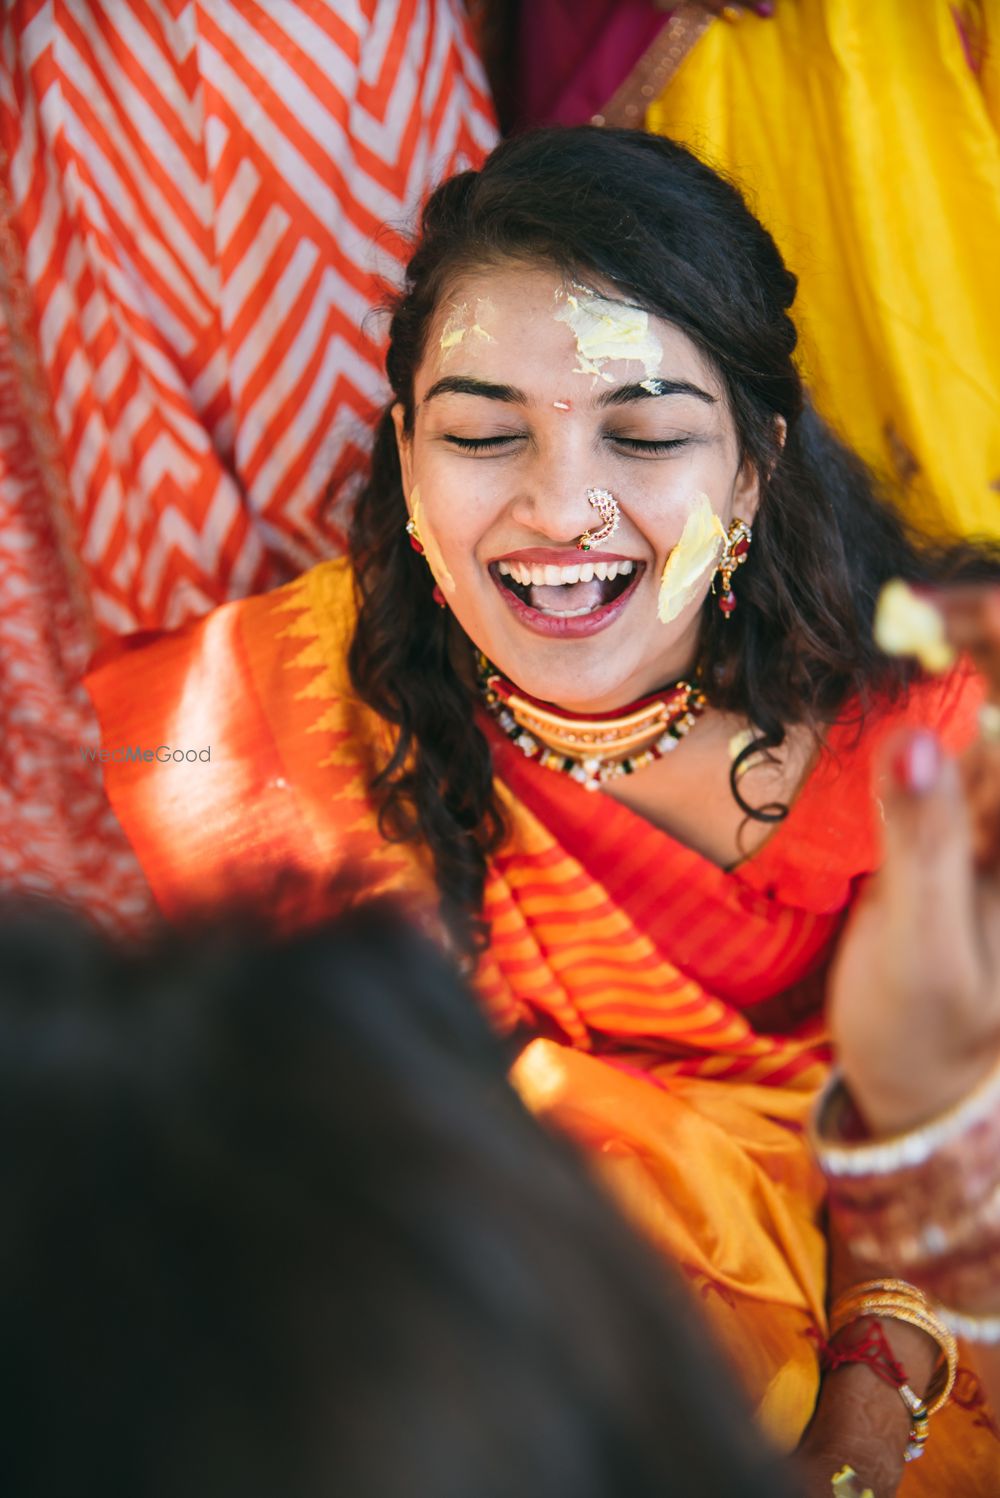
(590, 748)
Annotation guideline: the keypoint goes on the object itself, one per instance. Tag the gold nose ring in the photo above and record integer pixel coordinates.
(606, 505)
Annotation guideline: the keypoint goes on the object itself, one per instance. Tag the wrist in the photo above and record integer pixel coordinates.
(910, 1377)
(846, 1390)
(927, 1200)
(890, 1105)
(847, 1430)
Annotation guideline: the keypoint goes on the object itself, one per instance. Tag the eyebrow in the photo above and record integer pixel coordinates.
(621, 395)
(465, 385)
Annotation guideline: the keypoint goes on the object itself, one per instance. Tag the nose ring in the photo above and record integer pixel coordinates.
(606, 505)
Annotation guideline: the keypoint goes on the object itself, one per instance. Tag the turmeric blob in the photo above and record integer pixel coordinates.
(432, 551)
(697, 551)
(907, 624)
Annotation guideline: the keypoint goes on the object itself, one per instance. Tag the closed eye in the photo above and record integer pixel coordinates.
(640, 445)
(482, 444)
(497, 444)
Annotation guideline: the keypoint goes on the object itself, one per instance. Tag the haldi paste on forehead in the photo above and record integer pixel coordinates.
(605, 331)
(466, 321)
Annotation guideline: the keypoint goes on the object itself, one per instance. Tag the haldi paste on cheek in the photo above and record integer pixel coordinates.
(432, 551)
(607, 331)
(697, 551)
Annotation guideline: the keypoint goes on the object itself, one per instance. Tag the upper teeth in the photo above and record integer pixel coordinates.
(555, 577)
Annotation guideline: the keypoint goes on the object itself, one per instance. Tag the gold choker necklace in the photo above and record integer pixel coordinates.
(590, 748)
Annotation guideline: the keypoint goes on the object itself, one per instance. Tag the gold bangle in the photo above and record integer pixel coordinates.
(886, 1309)
(884, 1286)
(896, 1300)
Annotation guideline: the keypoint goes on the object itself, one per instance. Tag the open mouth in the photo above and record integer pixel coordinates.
(575, 592)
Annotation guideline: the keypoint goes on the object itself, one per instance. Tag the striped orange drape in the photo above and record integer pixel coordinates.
(193, 209)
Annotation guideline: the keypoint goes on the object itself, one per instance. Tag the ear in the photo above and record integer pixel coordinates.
(404, 447)
(746, 494)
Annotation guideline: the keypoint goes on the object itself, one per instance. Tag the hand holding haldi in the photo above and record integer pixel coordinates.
(907, 624)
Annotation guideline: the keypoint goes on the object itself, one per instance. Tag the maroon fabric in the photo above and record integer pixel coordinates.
(573, 54)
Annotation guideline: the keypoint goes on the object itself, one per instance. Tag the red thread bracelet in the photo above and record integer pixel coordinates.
(871, 1347)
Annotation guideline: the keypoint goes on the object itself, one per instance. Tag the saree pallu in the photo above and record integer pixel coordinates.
(675, 1007)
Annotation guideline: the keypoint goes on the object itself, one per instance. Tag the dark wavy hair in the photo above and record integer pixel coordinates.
(678, 240)
(319, 1246)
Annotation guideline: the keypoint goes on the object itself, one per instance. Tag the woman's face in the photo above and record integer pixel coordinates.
(530, 393)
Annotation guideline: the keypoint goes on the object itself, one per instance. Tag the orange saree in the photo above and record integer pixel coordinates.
(677, 1006)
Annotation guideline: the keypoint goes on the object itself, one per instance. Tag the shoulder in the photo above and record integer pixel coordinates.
(832, 837)
(235, 746)
(139, 682)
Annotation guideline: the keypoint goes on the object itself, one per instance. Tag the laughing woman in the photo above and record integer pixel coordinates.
(600, 678)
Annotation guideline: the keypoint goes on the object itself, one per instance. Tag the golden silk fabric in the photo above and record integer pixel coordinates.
(866, 135)
(677, 1005)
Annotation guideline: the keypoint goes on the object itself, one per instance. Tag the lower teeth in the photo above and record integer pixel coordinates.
(525, 592)
(567, 613)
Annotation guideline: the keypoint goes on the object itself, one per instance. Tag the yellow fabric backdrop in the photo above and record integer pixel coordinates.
(871, 149)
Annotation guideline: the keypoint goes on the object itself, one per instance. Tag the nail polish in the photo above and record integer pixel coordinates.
(916, 765)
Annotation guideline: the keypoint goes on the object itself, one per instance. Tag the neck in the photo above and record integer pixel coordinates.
(675, 672)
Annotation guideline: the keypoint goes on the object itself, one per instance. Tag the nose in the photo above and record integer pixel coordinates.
(553, 501)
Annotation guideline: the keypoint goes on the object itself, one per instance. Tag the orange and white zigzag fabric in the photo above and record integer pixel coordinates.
(203, 201)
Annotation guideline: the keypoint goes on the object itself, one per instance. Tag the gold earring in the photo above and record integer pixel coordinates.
(736, 551)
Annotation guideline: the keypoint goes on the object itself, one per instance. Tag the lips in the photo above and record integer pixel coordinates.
(564, 598)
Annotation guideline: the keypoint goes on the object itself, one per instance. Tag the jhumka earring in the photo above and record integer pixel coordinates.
(420, 549)
(606, 506)
(736, 551)
(414, 535)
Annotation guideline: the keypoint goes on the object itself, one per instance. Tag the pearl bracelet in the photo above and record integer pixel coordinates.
(984, 1330)
(927, 1201)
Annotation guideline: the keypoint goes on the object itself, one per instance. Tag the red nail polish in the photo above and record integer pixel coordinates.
(916, 765)
(765, 9)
